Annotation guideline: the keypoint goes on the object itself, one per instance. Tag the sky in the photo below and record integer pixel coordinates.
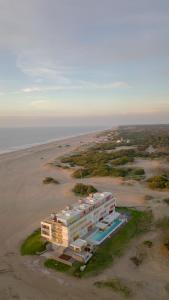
(84, 62)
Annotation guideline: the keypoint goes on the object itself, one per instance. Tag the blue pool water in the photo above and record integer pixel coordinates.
(99, 236)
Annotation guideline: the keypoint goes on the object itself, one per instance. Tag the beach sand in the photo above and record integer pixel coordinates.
(25, 201)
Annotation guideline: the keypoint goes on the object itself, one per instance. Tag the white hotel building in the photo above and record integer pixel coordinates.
(74, 227)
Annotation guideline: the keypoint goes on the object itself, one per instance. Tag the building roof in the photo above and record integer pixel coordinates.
(75, 212)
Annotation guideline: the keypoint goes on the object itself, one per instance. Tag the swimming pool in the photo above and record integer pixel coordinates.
(99, 236)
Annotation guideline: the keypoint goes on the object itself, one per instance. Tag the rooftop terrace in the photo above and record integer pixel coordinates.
(74, 212)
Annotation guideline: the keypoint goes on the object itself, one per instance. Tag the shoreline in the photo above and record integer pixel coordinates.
(48, 142)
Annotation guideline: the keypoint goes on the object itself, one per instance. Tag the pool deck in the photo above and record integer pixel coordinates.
(90, 238)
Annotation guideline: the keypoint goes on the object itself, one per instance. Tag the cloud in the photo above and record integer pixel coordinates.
(81, 85)
(92, 45)
(40, 104)
(31, 89)
(38, 65)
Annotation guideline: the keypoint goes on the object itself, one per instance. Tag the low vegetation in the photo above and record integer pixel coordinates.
(166, 200)
(102, 160)
(145, 135)
(117, 285)
(138, 259)
(163, 224)
(159, 182)
(33, 244)
(84, 190)
(60, 267)
(48, 180)
(148, 197)
(148, 243)
(91, 158)
(104, 170)
(139, 222)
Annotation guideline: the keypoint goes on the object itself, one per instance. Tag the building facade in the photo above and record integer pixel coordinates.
(78, 221)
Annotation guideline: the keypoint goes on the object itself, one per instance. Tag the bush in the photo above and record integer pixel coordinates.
(166, 200)
(166, 243)
(147, 243)
(48, 180)
(148, 197)
(122, 160)
(158, 182)
(84, 190)
(138, 171)
(81, 173)
(138, 258)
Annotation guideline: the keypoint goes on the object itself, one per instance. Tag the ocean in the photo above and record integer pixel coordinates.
(12, 139)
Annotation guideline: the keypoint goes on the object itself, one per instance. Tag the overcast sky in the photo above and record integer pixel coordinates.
(84, 61)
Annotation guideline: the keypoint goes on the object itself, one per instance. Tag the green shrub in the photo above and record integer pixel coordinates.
(48, 180)
(122, 160)
(147, 243)
(137, 260)
(138, 171)
(84, 190)
(81, 173)
(158, 182)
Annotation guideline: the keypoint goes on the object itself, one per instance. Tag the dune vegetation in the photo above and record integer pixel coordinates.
(83, 190)
(159, 182)
(91, 163)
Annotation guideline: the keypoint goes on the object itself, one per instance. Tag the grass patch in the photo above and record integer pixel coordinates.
(116, 285)
(33, 244)
(60, 267)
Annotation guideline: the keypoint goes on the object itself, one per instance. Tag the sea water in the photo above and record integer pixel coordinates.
(12, 139)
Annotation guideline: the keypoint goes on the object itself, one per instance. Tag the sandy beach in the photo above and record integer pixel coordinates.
(25, 201)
